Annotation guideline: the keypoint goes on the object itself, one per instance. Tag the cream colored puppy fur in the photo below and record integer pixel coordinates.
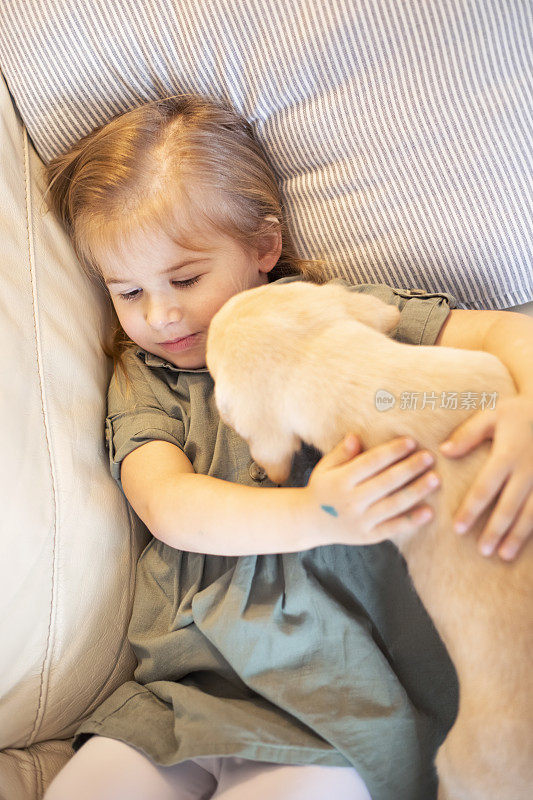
(299, 363)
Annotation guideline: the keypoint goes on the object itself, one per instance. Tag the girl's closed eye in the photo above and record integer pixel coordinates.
(135, 293)
(130, 295)
(186, 283)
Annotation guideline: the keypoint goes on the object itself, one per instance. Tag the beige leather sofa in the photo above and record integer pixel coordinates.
(68, 542)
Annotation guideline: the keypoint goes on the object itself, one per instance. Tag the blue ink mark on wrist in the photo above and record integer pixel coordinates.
(330, 510)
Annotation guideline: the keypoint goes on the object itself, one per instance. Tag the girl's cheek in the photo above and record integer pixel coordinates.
(126, 323)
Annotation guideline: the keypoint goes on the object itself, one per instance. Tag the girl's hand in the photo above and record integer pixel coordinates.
(507, 473)
(364, 498)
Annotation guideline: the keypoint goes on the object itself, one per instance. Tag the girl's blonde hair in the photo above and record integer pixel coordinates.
(134, 172)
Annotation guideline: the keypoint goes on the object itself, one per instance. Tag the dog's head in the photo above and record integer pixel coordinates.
(256, 343)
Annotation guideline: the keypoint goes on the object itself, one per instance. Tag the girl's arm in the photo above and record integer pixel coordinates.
(505, 334)
(509, 470)
(202, 514)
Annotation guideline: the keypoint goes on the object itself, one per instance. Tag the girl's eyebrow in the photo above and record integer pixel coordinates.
(173, 268)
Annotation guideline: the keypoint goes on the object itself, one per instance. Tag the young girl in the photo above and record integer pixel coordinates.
(272, 661)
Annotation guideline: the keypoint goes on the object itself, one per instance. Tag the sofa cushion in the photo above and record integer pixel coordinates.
(24, 774)
(68, 546)
(401, 132)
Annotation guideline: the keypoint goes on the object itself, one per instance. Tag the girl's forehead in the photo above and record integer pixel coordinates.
(158, 248)
(192, 220)
(142, 248)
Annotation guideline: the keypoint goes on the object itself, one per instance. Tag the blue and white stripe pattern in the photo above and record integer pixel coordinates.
(401, 130)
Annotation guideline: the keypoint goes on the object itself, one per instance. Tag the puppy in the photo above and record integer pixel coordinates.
(297, 363)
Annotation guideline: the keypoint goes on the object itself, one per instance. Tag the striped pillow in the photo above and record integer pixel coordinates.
(401, 132)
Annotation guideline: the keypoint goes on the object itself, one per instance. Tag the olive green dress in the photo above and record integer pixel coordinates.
(319, 657)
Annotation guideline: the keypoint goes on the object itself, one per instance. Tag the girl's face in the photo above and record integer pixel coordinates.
(165, 295)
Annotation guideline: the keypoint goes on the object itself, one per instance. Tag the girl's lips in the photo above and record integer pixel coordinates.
(179, 344)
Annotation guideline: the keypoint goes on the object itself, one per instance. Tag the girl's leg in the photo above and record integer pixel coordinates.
(107, 769)
(241, 780)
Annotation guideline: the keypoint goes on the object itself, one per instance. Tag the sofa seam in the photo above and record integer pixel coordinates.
(37, 771)
(40, 375)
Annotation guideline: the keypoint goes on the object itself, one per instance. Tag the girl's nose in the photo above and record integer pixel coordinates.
(160, 313)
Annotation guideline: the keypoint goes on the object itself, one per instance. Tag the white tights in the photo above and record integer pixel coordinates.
(107, 769)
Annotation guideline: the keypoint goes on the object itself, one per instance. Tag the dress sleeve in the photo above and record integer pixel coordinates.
(422, 313)
(134, 416)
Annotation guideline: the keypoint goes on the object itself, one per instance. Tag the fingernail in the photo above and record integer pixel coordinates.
(487, 549)
(508, 551)
(447, 447)
(410, 444)
(460, 527)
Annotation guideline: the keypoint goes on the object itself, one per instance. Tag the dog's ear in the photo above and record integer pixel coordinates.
(372, 311)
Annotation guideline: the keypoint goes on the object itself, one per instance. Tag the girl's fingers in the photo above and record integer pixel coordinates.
(519, 534)
(343, 452)
(372, 461)
(404, 499)
(508, 511)
(486, 487)
(469, 434)
(403, 524)
(397, 475)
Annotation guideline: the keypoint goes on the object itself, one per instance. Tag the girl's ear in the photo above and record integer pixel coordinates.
(268, 244)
